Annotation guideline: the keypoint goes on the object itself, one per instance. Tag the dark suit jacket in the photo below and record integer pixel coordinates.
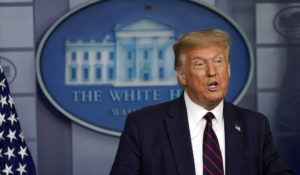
(156, 141)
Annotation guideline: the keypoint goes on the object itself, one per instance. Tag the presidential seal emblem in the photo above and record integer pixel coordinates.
(107, 58)
(9, 69)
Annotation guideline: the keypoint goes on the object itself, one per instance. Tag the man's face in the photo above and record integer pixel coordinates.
(205, 74)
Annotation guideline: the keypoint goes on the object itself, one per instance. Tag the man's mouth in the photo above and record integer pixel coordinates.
(213, 86)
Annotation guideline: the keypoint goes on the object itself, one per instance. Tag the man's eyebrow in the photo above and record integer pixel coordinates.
(198, 58)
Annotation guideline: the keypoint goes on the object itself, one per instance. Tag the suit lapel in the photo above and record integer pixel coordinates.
(179, 135)
(234, 142)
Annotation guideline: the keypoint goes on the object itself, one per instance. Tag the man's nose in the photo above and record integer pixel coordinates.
(211, 70)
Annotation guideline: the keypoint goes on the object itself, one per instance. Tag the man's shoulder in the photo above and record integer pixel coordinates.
(246, 114)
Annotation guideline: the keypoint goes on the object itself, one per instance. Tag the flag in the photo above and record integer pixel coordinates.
(15, 157)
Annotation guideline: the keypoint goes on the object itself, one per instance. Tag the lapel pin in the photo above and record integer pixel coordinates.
(237, 127)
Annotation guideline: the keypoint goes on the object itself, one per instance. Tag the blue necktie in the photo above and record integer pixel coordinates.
(212, 157)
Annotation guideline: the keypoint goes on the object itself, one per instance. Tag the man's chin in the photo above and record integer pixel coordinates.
(215, 96)
(214, 101)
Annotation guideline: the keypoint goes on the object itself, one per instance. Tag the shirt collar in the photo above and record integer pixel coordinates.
(196, 112)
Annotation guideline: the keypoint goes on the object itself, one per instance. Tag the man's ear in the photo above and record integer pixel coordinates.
(181, 76)
(228, 62)
(229, 70)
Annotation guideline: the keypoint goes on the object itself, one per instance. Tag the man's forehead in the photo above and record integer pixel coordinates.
(203, 56)
(207, 45)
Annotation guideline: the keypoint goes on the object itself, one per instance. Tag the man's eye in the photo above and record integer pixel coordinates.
(199, 64)
(219, 60)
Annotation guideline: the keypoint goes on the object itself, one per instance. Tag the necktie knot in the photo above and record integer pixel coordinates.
(209, 116)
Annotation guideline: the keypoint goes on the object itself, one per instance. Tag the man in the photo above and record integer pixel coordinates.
(198, 133)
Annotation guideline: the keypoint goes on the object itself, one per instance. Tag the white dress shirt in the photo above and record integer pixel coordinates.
(197, 125)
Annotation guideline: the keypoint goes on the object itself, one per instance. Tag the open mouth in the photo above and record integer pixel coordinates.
(213, 85)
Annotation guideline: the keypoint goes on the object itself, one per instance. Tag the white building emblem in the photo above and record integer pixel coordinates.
(139, 54)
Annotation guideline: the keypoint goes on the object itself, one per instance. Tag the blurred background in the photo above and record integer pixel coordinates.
(62, 147)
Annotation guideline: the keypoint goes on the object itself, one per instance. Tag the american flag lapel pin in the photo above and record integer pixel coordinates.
(237, 127)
